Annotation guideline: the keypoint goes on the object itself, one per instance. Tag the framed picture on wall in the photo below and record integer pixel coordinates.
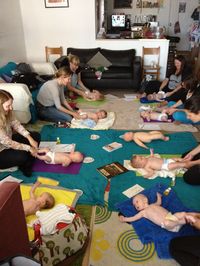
(122, 3)
(56, 3)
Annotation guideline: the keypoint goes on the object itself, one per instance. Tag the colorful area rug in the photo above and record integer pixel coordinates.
(114, 243)
(89, 180)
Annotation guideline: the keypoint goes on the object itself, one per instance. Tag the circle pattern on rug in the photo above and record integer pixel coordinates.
(132, 249)
(102, 214)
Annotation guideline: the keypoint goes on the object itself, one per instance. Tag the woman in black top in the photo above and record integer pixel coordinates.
(180, 72)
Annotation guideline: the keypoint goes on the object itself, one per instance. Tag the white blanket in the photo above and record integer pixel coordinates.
(104, 123)
(161, 173)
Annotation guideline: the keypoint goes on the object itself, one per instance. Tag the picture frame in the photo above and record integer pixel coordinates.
(56, 3)
(122, 4)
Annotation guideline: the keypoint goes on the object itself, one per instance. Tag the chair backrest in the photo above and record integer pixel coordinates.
(154, 52)
(58, 51)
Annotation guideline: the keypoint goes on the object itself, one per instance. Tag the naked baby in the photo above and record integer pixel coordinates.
(157, 214)
(146, 137)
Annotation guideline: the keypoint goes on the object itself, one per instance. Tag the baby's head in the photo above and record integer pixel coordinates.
(97, 96)
(140, 202)
(144, 114)
(138, 161)
(76, 157)
(128, 136)
(101, 114)
(151, 97)
(47, 201)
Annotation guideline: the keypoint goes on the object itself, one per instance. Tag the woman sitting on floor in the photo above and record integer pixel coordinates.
(76, 85)
(174, 108)
(20, 148)
(180, 72)
(51, 104)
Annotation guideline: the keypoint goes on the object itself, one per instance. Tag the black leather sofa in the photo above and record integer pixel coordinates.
(124, 73)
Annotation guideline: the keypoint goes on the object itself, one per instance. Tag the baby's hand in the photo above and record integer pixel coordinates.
(122, 219)
(159, 195)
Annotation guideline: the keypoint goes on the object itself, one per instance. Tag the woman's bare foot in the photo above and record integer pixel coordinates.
(166, 138)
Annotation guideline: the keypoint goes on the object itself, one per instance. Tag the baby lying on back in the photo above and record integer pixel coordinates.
(146, 137)
(152, 164)
(157, 214)
(150, 115)
(63, 158)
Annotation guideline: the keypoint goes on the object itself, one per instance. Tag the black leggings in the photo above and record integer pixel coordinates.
(186, 250)
(23, 159)
(192, 175)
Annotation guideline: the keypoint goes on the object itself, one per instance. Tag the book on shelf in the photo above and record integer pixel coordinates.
(53, 146)
(112, 146)
(112, 169)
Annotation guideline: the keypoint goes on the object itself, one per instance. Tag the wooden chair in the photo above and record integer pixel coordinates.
(152, 65)
(58, 51)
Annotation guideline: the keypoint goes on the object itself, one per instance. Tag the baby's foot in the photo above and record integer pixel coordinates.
(166, 138)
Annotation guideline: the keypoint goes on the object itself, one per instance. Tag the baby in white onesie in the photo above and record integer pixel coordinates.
(63, 158)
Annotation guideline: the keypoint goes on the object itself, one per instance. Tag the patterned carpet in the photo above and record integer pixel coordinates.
(114, 243)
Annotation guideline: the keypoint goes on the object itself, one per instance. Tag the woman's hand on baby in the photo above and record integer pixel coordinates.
(43, 150)
(188, 157)
(32, 142)
(33, 151)
(77, 115)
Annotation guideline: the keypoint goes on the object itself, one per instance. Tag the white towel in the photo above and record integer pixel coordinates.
(104, 123)
(161, 173)
(49, 219)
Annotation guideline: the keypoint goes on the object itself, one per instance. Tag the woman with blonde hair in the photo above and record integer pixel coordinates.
(76, 85)
(17, 149)
(51, 103)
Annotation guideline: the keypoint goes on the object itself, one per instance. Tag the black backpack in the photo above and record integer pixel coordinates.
(30, 79)
(23, 68)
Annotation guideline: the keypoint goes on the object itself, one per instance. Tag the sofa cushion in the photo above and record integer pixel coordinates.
(98, 60)
(84, 54)
(118, 58)
(111, 73)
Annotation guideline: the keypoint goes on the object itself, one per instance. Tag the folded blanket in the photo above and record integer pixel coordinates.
(105, 123)
(161, 173)
(149, 232)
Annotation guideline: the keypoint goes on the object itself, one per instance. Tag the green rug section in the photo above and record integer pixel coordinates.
(95, 103)
(177, 145)
(89, 180)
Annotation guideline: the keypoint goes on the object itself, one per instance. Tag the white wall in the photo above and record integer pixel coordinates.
(73, 26)
(12, 46)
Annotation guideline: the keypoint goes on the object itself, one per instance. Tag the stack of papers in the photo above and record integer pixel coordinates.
(130, 97)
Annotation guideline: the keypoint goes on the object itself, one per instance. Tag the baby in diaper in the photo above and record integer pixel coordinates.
(158, 214)
(63, 158)
(152, 164)
(154, 115)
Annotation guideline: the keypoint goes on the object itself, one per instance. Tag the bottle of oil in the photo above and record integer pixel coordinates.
(57, 140)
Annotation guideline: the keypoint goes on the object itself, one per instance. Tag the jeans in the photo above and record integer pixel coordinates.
(52, 114)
